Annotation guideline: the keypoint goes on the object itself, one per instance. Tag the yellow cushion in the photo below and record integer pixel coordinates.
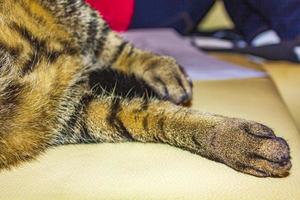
(286, 77)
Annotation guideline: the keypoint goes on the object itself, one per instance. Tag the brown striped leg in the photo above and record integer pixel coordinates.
(246, 146)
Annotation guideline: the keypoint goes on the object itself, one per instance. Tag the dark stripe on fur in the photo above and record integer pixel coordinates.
(145, 104)
(10, 94)
(31, 62)
(196, 142)
(92, 29)
(101, 41)
(161, 123)
(13, 51)
(115, 121)
(75, 120)
(131, 51)
(165, 92)
(160, 136)
(27, 35)
(146, 123)
(118, 52)
(86, 137)
(72, 6)
(151, 65)
(180, 83)
(182, 70)
(39, 49)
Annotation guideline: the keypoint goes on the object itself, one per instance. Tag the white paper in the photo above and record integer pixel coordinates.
(209, 42)
(198, 65)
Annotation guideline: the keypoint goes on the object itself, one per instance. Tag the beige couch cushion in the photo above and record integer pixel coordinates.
(286, 76)
(149, 171)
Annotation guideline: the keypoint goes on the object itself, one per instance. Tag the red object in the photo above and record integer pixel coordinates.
(117, 13)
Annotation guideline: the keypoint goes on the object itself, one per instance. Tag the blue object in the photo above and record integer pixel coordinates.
(250, 17)
(183, 15)
(254, 16)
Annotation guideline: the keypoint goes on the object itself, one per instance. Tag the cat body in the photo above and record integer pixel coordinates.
(66, 78)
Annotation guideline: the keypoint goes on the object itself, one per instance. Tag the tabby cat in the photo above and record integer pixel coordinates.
(66, 78)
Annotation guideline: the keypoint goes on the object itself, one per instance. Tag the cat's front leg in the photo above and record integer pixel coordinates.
(245, 146)
(162, 73)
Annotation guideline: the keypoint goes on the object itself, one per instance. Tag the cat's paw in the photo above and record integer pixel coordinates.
(251, 148)
(168, 79)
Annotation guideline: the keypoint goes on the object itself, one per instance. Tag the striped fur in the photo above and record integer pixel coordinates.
(66, 78)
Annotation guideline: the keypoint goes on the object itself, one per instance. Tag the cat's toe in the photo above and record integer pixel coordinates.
(272, 157)
(270, 168)
(275, 150)
(258, 129)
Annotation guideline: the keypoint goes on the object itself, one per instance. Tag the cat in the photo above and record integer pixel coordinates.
(66, 78)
